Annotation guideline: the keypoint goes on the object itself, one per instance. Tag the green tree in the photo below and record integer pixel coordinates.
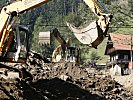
(94, 56)
(35, 34)
(2, 2)
(130, 3)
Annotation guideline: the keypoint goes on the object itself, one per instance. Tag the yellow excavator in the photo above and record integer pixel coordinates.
(14, 39)
(65, 51)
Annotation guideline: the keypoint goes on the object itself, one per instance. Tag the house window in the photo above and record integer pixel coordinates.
(116, 57)
(112, 58)
(126, 57)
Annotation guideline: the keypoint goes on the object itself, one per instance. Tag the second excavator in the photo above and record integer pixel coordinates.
(65, 51)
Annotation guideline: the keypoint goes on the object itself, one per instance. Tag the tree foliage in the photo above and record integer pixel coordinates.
(94, 56)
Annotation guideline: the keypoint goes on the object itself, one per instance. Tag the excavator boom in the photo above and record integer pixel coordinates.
(96, 6)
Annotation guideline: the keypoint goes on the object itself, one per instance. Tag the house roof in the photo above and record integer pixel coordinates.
(119, 42)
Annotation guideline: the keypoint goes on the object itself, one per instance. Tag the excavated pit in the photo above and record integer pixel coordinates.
(38, 80)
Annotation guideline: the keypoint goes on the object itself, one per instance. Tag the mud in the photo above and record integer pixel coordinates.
(39, 80)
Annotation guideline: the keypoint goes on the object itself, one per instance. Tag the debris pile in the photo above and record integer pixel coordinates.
(39, 80)
(126, 81)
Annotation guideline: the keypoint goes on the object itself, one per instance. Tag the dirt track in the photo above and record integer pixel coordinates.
(62, 81)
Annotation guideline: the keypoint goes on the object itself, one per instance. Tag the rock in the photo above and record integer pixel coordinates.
(10, 75)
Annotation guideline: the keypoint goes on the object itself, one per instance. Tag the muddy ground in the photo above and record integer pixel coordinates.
(38, 80)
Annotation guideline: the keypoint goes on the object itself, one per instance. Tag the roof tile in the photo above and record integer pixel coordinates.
(121, 41)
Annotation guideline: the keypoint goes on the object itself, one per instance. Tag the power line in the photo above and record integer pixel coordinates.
(121, 26)
(125, 14)
(47, 25)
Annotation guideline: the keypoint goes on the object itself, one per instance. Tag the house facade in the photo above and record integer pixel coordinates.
(120, 51)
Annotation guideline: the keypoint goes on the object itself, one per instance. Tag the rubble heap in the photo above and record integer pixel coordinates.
(39, 80)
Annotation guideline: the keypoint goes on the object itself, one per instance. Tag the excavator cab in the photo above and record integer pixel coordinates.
(14, 39)
(19, 46)
(72, 54)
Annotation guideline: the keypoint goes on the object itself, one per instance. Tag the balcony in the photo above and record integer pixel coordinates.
(118, 61)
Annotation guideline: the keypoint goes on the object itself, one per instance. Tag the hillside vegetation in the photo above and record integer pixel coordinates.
(56, 13)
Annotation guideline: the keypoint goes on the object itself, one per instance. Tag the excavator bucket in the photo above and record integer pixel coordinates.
(91, 35)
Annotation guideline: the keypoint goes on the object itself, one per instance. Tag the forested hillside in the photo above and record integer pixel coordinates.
(56, 13)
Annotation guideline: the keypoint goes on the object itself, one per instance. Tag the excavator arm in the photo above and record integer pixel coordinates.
(94, 33)
(60, 50)
(96, 6)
